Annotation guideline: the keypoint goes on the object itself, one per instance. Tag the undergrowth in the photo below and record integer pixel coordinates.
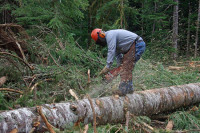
(68, 69)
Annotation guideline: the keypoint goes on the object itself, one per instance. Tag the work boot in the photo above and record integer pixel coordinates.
(126, 87)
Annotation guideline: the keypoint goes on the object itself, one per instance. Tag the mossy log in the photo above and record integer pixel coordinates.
(107, 109)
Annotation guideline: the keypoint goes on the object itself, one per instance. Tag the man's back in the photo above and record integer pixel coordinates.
(123, 39)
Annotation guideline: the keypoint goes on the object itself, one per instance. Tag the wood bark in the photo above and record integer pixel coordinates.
(197, 32)
(92, 10)
(122, 14)
(188, 30)
(154, 22)
(175, 29)
(107, 109)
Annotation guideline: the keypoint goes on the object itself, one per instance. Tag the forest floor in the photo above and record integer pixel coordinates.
(51, 84)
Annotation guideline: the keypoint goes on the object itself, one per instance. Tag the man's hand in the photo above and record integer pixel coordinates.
(104, 70)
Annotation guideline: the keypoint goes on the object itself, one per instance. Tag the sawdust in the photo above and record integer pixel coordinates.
(103, 88)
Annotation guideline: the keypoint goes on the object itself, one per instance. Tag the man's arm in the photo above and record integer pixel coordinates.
(111, 42)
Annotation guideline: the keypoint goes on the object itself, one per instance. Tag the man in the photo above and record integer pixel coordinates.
(127, 47)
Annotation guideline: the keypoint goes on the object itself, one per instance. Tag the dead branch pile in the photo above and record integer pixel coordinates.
(13, 37)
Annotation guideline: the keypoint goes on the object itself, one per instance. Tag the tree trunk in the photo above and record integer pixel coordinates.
(175, 29)
(92, 10)
(142, 13)
(197, 32)
(188, 30)
(121, 13)
(154, 22)
(107, 109)
(89, 27)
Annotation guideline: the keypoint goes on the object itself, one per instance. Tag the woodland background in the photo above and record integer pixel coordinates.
(57, 53)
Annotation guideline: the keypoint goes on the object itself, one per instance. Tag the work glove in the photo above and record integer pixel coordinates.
(104, 70)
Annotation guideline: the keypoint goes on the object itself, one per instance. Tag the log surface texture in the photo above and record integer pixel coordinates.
(107, 109)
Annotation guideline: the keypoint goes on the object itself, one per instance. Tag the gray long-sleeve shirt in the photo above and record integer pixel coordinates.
(119, 42)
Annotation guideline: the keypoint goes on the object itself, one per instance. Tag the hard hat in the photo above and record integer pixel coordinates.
(94, 34)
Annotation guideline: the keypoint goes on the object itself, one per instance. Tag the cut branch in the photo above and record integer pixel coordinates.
(73, 94)
(49, 126)
(107, 109)
(22, 52)
(127, 120)
(14, 131)
(12, 90)
(2, 80)
(169, 126)
(94, 114)
(86, 128)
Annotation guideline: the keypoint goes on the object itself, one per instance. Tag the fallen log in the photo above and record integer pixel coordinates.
(176, 67)
(107, 109)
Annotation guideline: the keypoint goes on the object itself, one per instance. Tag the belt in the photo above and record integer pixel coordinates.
(137, 39)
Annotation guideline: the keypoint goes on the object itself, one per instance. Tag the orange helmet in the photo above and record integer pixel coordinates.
(94, 34)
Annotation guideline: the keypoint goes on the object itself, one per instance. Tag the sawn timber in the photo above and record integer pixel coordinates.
(107, 109)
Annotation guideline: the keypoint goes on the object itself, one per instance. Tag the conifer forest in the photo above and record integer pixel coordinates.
(50, 65)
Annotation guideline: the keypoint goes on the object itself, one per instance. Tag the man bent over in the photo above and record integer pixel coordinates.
(127, 47)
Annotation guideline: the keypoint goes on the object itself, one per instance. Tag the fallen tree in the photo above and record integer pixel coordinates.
(106, 109)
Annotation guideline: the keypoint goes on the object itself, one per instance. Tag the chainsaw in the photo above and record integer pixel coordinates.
(112, 74)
